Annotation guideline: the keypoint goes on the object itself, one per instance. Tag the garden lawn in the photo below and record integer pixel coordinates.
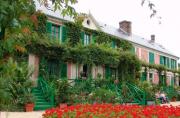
(113, 111)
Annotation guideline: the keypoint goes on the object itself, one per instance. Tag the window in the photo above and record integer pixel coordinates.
(151, 58)
(86, 39)
(114, 44)
(84, 73)
(163, 60)
(151, 77)
(56, 32)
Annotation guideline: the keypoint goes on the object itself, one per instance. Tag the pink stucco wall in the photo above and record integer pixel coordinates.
(144, 55)
(156, 78)
(138, 52)
(157, 58)
(69, 70)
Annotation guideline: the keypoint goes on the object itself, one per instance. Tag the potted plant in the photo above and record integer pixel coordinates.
(29, 101)
(62, 93)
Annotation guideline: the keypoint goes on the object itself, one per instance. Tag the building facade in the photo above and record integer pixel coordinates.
(146, 50)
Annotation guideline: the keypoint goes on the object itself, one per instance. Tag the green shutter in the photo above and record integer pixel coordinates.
(151, 58)
(168, 62)
(172, 64)
(59, 32)
(64, 33)
(172, 81)
(143, 76)
(49, 28)
(82, 37)
(161, 60)
(93, 38)
(113, 44)
(107, 72)
(175, 64)
(133, 50)
(63, 70)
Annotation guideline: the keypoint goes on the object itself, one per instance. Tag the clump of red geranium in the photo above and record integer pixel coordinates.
(113, 111)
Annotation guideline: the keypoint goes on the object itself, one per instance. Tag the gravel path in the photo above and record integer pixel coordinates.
(38, 114)
(34, 114)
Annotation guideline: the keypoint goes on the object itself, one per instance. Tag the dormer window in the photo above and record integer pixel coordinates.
(88, 22)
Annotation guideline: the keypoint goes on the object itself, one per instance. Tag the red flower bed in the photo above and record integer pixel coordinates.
(113, 111)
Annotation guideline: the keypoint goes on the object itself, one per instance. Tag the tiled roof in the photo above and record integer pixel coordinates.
(133, 38)
(109, 30)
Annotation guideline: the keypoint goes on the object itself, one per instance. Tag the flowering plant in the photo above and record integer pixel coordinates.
(113, 111)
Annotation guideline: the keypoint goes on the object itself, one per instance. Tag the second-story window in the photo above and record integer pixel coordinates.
(86, 39)
(56, 32)
(151, 58)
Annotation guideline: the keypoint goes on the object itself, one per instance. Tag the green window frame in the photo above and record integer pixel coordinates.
(86, 39)
(56, 32)
(151, 58)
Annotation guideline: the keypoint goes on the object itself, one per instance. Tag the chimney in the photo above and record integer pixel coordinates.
(152, 38)
(126, 26)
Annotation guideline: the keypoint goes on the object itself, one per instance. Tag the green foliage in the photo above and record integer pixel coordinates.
(11, 14)
(128, 66)
(106, 38)
(101, 95)
(18, 83)
(73, 32)
(62, 90)
(41, 22)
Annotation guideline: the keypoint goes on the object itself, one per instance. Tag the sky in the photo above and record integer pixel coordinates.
(112, 12)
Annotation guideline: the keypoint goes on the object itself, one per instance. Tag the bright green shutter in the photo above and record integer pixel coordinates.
(133, 50)
(175, 64)
(143, 76)
(64, 33)
(151, 58)
(59, 32)
(93, 39)
(161, 60)
(113, 44)
(49, 28)
(172, 81)
(172, 64)
(82, 37)
(168, 62)
(63, 70)
(107, 72)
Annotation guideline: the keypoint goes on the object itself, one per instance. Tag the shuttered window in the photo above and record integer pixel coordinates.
(151, 58)
(173, 64)
(56, 32)
(163, 60)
